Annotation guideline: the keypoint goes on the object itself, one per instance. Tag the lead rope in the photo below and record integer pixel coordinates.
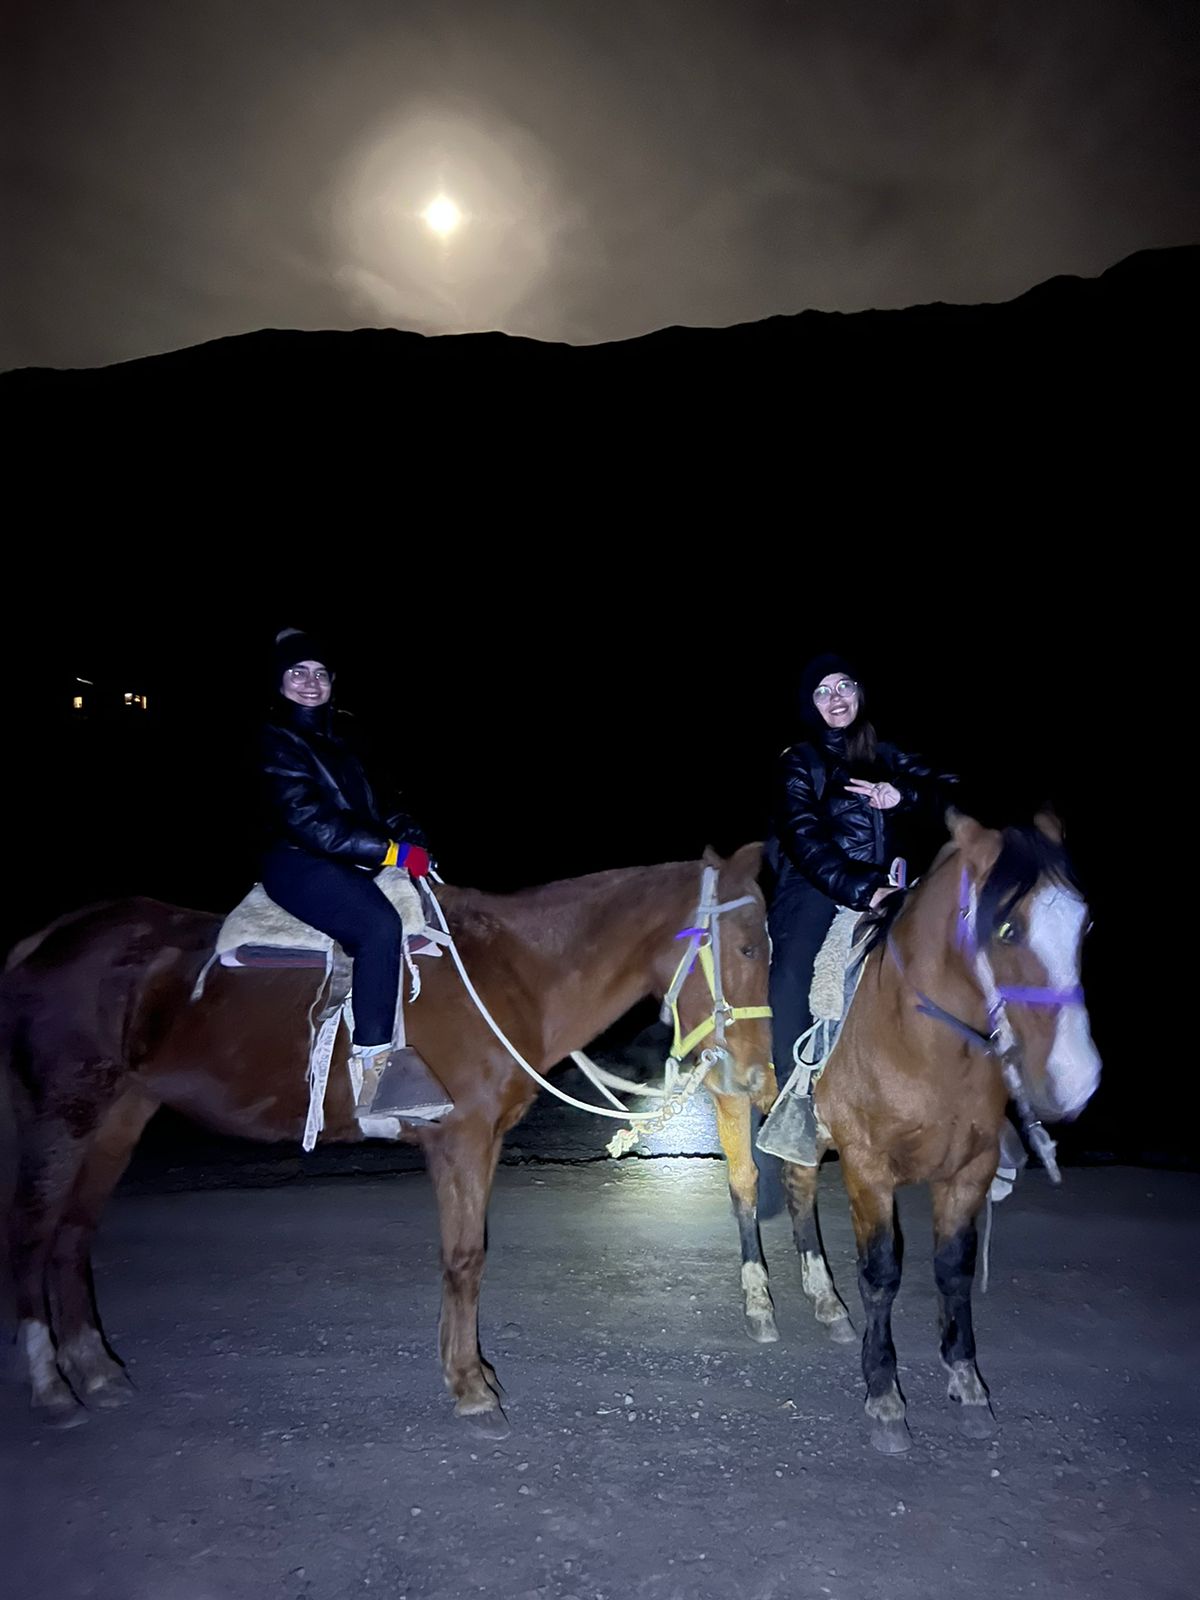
(985, 1275)
(542, 1083)
(674, 1097)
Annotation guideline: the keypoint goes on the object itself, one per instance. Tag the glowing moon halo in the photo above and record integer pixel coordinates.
(442, 216)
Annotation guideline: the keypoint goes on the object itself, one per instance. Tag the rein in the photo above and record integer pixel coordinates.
(1001, 1043)
(703, 941)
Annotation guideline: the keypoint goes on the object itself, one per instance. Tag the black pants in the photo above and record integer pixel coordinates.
(799, 919)
(344, 902)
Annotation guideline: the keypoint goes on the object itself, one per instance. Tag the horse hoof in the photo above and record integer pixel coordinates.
(486, 1424)
(891, 1438)
(110, 1396)
(762, 1329)
(977, 1422)
(842, 1331)
(64, 1416)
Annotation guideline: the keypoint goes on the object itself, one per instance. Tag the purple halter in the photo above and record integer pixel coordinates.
(1000, 1043)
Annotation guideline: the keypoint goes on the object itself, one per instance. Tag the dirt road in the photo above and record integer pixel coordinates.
(290, 1440)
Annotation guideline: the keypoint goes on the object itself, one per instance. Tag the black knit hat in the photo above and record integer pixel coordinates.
(820, 667)
(294, 645)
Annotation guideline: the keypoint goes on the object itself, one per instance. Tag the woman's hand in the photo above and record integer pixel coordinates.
(881, 895)
(883, 796)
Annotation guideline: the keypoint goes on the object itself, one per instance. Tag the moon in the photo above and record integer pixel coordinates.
(442, 216)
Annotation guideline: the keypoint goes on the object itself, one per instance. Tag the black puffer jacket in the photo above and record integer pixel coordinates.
(317, 797)
(833, 839)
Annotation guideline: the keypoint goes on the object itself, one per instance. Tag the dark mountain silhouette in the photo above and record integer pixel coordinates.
(939, 433)
(1073, 328)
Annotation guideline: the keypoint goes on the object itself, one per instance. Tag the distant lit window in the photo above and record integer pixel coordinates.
(138, 700)
(77, 702)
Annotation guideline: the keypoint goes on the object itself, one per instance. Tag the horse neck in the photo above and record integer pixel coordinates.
(592, 948)
(927, 940)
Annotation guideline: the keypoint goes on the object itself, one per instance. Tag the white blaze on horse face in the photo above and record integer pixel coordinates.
(1055, 932)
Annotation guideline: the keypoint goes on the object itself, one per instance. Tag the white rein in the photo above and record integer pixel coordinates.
(707, 913)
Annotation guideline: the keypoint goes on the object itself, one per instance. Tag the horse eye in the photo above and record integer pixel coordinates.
(1008, 933)
(749, 951)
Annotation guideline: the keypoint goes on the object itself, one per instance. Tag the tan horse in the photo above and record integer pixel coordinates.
(971, 996)
(99, 1029)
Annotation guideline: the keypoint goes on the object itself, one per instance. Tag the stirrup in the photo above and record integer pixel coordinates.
(398, 1083)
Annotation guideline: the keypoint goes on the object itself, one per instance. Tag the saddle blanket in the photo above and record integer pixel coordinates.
(258, 923)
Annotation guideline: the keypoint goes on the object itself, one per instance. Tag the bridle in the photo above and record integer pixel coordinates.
(1001, 1042)
(704, 944)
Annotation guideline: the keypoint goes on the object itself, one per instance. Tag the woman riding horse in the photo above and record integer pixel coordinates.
(327, 843)
(832, 843)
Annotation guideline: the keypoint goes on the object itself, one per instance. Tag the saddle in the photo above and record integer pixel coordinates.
(260, 935)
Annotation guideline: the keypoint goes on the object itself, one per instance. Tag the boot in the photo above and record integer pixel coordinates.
(397, 1083)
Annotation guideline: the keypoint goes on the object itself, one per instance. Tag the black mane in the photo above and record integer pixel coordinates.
(1026, 856)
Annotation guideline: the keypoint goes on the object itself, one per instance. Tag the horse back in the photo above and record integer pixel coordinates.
(90, 974)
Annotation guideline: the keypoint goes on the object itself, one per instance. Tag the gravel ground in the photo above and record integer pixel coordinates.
(290, 1438)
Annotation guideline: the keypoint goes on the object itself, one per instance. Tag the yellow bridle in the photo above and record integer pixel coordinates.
(704, 942)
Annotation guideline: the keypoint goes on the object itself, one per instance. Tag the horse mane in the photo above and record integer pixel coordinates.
(545, 915)
(1026, 856)
(878, 924)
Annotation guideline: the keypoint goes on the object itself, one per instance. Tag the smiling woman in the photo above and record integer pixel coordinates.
(495, 203)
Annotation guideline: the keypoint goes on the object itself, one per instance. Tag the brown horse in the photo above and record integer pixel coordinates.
(971, 996)
(99, 1027)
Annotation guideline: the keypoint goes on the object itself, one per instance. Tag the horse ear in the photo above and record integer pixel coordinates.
(979, 845)
(1049, 825)
(710, 857)
(747, 862)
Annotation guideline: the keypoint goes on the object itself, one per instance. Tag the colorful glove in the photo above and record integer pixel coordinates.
(414, 858)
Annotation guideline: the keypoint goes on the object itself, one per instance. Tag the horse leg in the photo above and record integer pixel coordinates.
(956, 1204)
(49, 1164)
(873, 1210)
(462, 1163)
(84, 1358)
(800, 1185)
(733, 1127)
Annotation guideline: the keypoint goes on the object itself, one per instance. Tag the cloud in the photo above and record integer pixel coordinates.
(178, 173)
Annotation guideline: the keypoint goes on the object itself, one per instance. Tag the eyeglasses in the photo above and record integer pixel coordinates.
(824, 692)
(304, 674)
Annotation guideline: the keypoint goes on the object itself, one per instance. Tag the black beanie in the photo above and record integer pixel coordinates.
(294, 645)
(820, 667)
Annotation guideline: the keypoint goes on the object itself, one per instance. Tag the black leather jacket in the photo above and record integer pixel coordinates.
(316, 793)
(835, 840)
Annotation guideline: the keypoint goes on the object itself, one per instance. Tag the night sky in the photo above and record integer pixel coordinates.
(182, 172)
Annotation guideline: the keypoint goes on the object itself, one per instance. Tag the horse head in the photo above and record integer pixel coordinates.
(1022, 920)
(721, 994)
